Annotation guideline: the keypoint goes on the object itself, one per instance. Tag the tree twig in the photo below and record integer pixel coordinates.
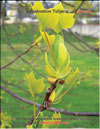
(14, 85)
(76, 47)
(17, 57)
(46, 103)
(75, 11)
(71, 5)
(50, 109)
(83, 41)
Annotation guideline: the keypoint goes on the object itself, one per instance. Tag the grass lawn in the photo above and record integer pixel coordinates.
(83, 98)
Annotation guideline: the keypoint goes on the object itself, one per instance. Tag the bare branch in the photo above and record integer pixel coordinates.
(17, 57)
(14, 85)
(46, 4)
(76, 47)
(50, 109)
(75, 11)
(46, 103)
(71, 5)
(13, 49)
(83, 41)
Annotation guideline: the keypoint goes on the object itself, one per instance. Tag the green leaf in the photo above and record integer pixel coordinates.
(62, 59)
(37, 40)
(66, 20)
(49, 69)
(73, 77)
(51, 19)
(50, 38)
(52, 80)
(62, 56)
(29, 126)
(52, 96)
(35, 86)
(60, 52)
(56, 117)
(59, 91)
(46, 19)
(38, 118)
(65, 71)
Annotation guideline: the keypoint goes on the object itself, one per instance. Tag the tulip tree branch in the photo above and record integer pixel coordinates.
(46, 103)
(76, 46)
(50, 109)
(73, 6)
(79, 6)
(17, 57)
(83, 41)
(14, 85)
(92, 48)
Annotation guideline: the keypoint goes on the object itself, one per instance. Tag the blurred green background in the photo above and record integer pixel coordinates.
(17, 37)
(83, 98)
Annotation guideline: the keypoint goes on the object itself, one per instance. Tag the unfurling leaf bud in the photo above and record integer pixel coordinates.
(52, 80)
(61, 82)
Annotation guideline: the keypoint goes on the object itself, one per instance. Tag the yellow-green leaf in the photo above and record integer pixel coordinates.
(66, 20)
(37, 40)
(59, 91)
(63, 56)
(52, 96)
(62, 59)
(56, 117)
(72, 78)
(49, 69)
(97, 44)
(36, 86)
(48, 38)
(46, 18)
(29, 126)
(52, 80)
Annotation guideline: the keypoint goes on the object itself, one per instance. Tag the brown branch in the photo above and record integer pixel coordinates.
(14, 85)
(75, 11)
(76, 47)
(13, 49)
(83, 41)
(19, 87)
(17, 70)
(17, 57)
(46, 103)
(46, 4)
(50, 109)
(71, 5)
